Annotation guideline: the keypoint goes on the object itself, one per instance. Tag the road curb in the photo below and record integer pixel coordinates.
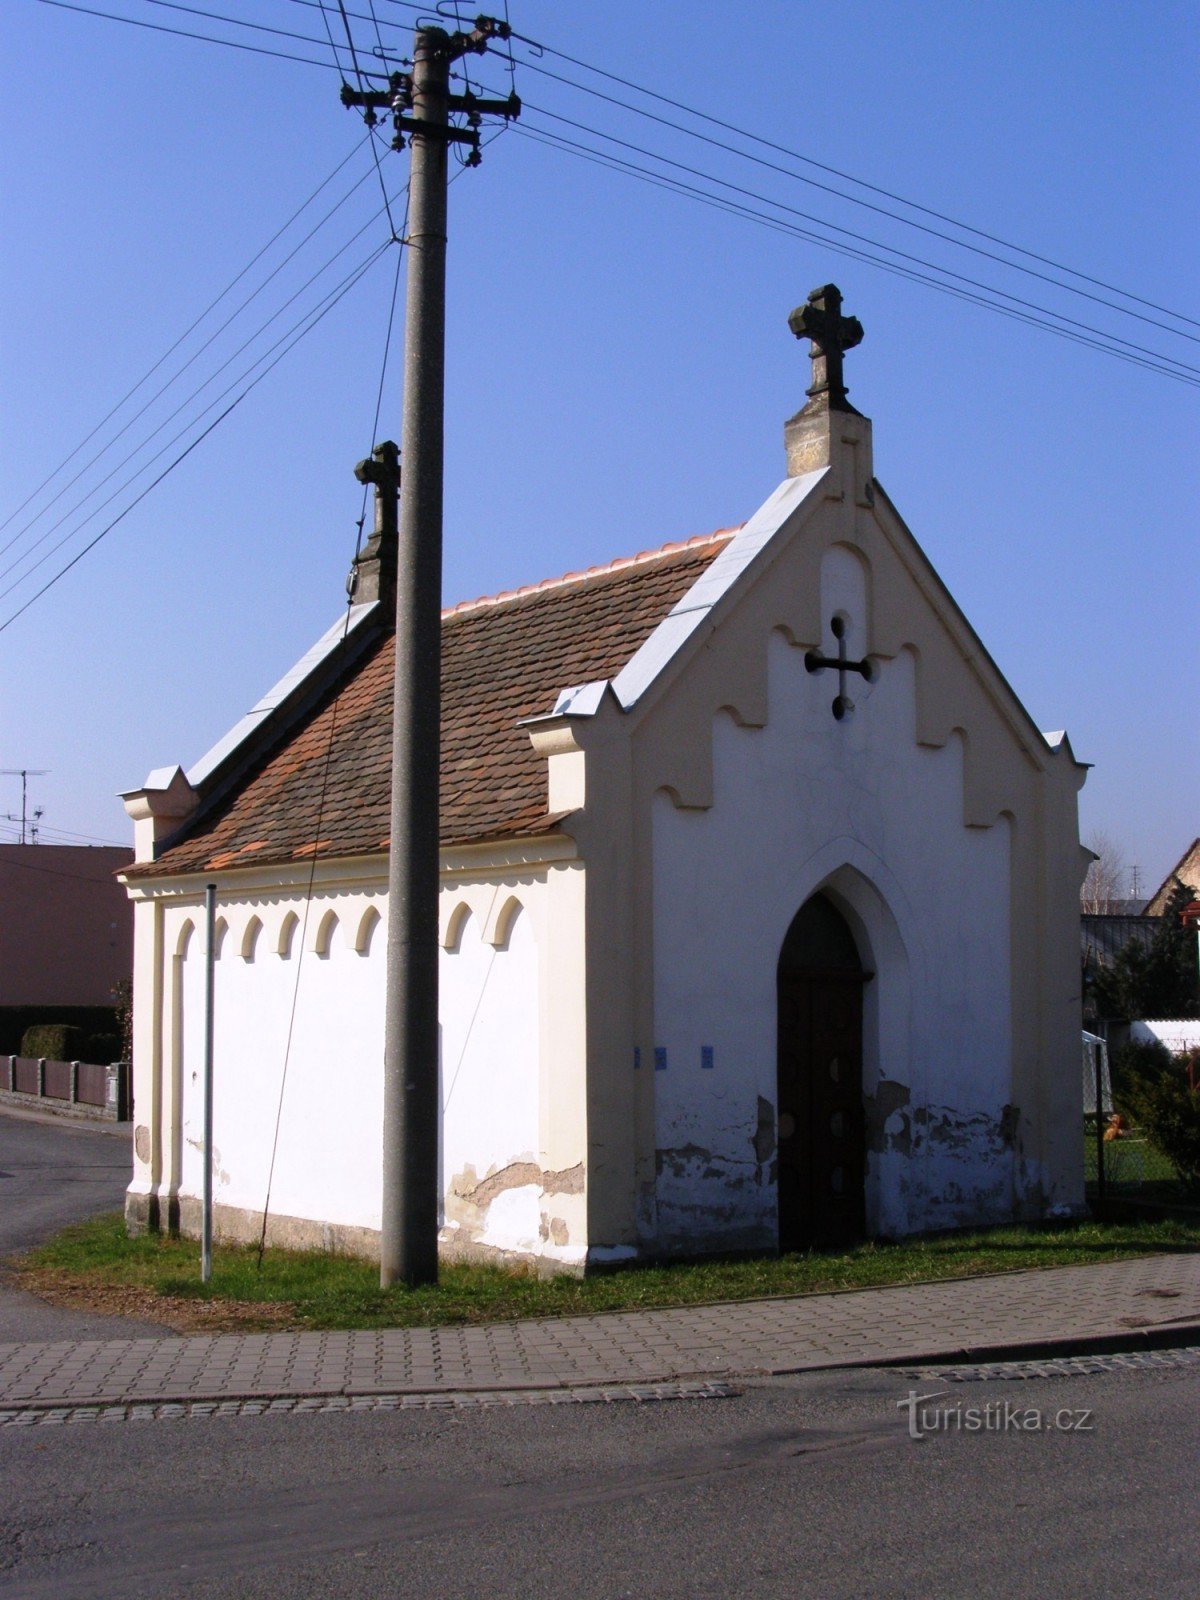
(1116, 1342)
(1162, 1336)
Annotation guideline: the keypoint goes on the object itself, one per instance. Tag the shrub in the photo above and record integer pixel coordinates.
(104, 1048)
(56, 1041)
(1152, 1086)
(1170, 1115)
(1136, 1067)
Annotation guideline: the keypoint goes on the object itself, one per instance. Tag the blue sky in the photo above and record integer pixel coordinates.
(619, 363)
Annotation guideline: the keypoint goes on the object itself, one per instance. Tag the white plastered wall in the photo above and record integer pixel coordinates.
(503, 1128)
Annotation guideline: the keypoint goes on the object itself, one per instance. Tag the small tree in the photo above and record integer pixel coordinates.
(1104, 880)
(1159, 979)
(1155, 1089)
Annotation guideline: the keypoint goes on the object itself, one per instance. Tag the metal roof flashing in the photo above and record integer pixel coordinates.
(696, 607)
(277, 697)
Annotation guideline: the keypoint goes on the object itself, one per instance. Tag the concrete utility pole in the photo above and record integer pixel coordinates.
(411, 1108)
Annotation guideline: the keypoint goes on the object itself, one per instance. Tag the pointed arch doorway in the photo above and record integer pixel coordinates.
(821, 1124)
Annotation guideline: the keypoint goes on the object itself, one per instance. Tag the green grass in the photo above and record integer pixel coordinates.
(159, 1278)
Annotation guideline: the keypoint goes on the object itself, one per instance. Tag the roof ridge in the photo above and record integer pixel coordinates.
(673, 547)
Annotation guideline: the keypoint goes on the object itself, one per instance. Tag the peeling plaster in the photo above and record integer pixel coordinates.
(482, 1191)
(716, 1195)
(470, 1198)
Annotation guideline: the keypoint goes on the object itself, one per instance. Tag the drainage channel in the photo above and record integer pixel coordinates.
(1060, 1366)
(316, 1405)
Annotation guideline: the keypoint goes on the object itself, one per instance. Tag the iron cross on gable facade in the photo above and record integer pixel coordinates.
(820, 319)
(814, 661)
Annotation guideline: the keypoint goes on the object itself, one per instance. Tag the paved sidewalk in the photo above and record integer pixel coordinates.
(1062, 1308)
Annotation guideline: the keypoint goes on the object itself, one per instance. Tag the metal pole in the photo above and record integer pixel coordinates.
(1098, 1050)
(408, 1242)
(210, 968)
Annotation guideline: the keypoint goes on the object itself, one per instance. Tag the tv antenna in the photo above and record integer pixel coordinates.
(24, 773)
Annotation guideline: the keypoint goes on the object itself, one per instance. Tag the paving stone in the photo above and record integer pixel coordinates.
(259, 1371)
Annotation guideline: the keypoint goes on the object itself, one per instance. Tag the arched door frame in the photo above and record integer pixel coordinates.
(822, 1165)
(864, 891)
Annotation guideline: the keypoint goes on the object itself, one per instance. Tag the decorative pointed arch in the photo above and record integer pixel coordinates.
(365, 932)
(455, 926)
(287, 934)
(250, 937)
(323, 939)
(501, 923)
(220, 929)
(184, 941)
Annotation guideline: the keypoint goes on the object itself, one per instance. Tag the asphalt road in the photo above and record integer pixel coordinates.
(52, 1173)
(799, 1487)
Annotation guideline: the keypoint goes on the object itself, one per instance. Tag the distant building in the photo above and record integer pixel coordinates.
(66, 924)
(1186, 870)
(1104, 935)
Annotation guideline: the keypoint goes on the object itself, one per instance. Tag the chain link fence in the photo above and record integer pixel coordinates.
(1119, 1162)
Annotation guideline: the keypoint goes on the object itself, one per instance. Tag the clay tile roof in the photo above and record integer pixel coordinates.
(504, 657)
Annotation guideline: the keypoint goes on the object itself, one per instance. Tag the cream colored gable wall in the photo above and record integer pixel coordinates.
(944, 710)
(859, 810)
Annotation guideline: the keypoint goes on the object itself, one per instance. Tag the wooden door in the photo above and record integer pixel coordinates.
(821, 1124)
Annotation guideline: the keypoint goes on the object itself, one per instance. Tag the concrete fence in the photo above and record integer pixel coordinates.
(76, 1088)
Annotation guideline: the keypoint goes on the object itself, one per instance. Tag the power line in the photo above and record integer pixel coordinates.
(883, 211)
(731, 207)
(362, 16)
(312, 321)
(194, 395)
(186, 334)
(326, 767)
(317, 315)
(158, 394)
(688, 191)
(375, 21)
(350, 41)
(369, 116)
(65, 835)
(183, 33)
(67, 537)
(865, 240)
(234, 22)
(714, 121)
(847, 177)
(182, 406)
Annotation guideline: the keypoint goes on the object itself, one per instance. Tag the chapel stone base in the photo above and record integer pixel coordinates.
(236, 1225)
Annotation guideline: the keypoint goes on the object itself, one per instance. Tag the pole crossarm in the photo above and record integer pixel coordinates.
(397, 98)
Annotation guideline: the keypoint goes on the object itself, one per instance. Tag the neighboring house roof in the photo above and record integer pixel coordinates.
(503, 659)
(1103, 935)
(1186, 869)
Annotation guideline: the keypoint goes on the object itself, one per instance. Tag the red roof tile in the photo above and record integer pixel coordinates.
(503, 659)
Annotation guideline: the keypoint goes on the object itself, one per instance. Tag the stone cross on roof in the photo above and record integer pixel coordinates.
(820, 319)
(373, 575)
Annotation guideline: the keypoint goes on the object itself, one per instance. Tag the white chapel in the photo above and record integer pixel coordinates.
(759, 906)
